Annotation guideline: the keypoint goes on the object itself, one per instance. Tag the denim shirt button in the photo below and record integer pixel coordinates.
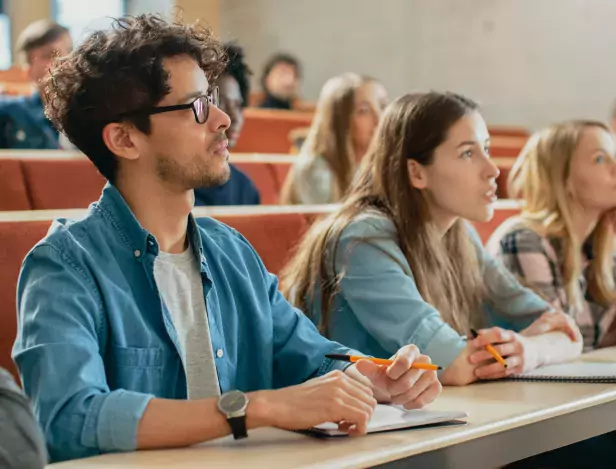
(137, 253)
(219, 353)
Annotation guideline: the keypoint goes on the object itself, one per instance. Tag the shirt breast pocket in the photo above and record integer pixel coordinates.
(135, 369)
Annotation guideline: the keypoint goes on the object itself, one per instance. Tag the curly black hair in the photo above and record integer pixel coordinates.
(276, 59)
(238, 69)
(115, 73)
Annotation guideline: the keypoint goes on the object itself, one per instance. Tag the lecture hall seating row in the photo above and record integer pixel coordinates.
(274, 231)
(276, 131)
(49, 180)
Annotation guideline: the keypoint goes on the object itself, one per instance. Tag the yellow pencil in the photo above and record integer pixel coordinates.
(491, 350)
(381, 361)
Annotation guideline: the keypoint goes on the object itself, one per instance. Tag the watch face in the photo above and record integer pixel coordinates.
(233, 401)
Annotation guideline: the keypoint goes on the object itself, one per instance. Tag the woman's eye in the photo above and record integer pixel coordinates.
(600, 159)
(467, 154)
(487, 150)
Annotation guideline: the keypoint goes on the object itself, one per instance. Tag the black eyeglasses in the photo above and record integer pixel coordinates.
(200, 106)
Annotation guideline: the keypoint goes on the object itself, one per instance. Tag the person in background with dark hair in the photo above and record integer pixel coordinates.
(234, 89)
(280, 81)
(21, 442)
(139, 328)
(22, 119)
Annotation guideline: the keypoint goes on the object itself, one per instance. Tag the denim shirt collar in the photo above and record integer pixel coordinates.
(137, 238)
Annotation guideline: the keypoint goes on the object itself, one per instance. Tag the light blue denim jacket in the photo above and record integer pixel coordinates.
(95, 342)
(379, 308)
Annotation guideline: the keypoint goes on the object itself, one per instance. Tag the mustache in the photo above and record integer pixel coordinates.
(218, 139)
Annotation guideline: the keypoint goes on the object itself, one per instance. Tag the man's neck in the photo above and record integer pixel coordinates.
(159, 209)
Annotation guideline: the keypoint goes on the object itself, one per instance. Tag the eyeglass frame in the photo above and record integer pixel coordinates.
(211, 98)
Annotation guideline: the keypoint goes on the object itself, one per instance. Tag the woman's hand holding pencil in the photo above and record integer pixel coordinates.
(501, 353)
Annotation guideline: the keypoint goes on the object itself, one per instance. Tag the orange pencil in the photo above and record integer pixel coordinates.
(492, 351)
(382, 361)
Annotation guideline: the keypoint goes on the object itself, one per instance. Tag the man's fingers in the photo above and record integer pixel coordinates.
(424, 381)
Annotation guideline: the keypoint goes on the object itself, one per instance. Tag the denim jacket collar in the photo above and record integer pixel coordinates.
(137, 238)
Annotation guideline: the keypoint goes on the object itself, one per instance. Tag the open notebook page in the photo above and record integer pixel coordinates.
(393, 417)
(576, 371)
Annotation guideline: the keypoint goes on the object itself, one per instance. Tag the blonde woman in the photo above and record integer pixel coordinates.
(346, 117)
(397, 263)
(562, 245)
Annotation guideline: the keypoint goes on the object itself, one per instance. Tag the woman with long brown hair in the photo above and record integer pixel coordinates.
(562, 244)
(346, 117)
(397, 263)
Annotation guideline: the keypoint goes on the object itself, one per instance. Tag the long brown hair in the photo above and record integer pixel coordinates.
(330, 136)
(445, 269)
(539, 176)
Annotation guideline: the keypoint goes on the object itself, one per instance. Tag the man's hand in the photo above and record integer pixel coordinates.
(334, 397)
(399, 383)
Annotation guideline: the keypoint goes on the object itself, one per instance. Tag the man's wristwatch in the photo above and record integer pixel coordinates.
(233, 405)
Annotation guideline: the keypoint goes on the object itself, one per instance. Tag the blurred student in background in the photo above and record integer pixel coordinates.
(347, 114)
(23, 124)
(281, 81)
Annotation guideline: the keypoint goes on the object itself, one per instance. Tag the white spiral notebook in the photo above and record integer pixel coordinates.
(576, 372)
(387, 418)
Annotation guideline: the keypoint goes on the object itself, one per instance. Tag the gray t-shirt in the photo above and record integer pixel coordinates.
(178, 278)
(21, 442)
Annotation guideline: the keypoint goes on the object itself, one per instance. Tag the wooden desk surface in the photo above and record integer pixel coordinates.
(493, 408)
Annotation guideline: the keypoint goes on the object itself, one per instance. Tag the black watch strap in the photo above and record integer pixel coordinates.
(238, 427)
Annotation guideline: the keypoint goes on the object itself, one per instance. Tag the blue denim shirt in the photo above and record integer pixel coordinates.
(95, 342)
(23, 124)
(379, 308)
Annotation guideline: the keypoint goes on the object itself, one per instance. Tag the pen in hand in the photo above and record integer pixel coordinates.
(491, 350)
(381, 361)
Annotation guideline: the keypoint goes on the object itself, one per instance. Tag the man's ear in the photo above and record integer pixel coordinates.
(119, 138)
(417, 174)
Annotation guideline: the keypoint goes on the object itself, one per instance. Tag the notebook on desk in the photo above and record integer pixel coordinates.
(386, 418)
(576, 372)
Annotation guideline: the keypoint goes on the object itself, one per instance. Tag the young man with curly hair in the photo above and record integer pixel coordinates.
(139, 328)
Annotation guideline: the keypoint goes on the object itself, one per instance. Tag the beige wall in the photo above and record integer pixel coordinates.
(22, 13)
(206, 10)
(527, 61)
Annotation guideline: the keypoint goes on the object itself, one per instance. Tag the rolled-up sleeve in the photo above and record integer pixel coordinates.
(379, 287)
(58, 351)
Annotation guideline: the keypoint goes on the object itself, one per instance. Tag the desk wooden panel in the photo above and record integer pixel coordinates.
(507, 421)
